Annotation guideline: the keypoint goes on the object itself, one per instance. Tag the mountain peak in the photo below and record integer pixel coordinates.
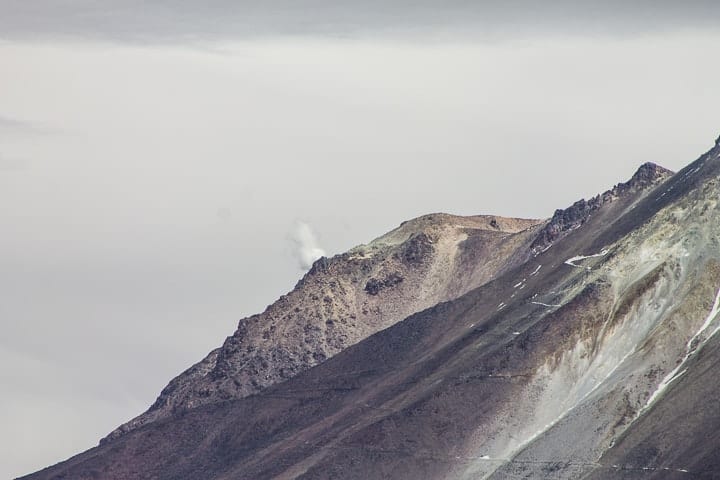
(565, 220)
(345, 298)
(647, 174)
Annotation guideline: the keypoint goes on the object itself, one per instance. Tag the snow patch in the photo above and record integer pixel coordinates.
(571, 261)
(546, 304)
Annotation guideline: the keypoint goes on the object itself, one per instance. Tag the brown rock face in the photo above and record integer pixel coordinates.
(344, 299)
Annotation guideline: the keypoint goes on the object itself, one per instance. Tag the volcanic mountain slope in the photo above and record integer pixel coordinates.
(590, 358)
(344, 299)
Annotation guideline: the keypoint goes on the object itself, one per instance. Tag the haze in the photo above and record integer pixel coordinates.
(157, 162)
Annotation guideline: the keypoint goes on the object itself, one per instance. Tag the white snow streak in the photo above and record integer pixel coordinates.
(693, 346)
(571, 261)
(693, 171)
(546, 304)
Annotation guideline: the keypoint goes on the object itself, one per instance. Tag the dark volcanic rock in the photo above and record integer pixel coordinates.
(374, 286)
(417, 250)
(564, 221)
(646, 176)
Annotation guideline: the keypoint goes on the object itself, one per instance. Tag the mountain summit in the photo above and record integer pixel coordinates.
(582, 346)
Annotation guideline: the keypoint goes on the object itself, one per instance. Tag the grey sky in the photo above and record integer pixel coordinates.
(183, 20)
(165, 203)
(8, 124)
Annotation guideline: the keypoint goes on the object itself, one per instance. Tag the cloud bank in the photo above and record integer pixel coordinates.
(184, 20)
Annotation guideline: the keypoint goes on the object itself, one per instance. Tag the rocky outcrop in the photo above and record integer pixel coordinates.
(374, 286)
(648, 175)
(566, 220)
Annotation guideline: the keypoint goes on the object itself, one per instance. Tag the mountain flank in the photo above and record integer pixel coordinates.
(346, 298)
(578, 347)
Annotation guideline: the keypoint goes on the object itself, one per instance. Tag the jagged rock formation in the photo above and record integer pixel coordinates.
(592, 359)
(344, 299)
(566, 220)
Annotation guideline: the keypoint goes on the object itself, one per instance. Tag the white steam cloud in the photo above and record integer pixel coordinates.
(307, 249)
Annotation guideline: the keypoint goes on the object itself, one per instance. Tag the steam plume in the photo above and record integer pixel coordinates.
(307, 249)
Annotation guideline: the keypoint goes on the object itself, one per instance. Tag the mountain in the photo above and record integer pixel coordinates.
(344, 299)
(582, 346)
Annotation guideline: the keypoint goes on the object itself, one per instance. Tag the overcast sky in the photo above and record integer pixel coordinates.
(160, 165)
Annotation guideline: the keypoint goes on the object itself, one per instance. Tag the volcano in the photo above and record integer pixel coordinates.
(583, 346)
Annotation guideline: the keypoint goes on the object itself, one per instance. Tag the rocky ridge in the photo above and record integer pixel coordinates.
(565, 220)
(344, 299)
